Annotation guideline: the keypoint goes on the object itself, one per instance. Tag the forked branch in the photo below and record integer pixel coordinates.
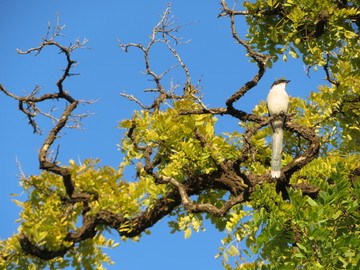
(165, 33)
(29, 105)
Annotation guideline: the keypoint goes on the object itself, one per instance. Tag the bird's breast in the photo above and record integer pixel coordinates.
(277, 102)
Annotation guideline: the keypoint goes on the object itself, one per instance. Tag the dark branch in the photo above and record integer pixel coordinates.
(163, 32)
(261, 60)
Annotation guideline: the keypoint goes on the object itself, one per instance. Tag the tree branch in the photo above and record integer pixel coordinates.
(166, 30)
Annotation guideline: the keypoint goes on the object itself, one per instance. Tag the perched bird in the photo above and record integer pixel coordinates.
(277, 103)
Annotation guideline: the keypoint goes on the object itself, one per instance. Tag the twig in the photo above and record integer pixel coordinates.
(201, 208)
(327, 72)
(163, 32)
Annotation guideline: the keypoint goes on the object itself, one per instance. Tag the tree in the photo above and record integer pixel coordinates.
(306, 219)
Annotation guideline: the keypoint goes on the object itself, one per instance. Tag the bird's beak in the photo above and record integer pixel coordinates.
(287, 81)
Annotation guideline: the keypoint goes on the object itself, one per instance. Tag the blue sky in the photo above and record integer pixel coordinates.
(106, 71)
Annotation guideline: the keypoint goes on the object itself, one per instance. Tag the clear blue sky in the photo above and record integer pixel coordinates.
(107, 71)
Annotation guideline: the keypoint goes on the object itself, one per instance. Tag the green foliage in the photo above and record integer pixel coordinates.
(173, 135)
(85, 255)
(179, 155)
(46, 219)
(303, 232)
(325, 34)
(312, 28)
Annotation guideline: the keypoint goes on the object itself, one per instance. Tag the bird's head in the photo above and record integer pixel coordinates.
(280, 81)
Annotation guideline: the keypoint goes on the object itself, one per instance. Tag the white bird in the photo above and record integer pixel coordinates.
(277, 103)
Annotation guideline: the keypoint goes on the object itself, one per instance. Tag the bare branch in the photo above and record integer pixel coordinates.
(177, 56)
(163, 32)
(22, 175)
(261, 60)
(327, 72)
(226, 11)
(29, 105)
(132, 98)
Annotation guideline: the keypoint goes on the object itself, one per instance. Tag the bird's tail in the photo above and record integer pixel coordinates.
(277, 140)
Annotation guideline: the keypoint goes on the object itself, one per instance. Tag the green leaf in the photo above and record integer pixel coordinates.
(312, 202)
(293, 54)
(187, 233)
(303, 248)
